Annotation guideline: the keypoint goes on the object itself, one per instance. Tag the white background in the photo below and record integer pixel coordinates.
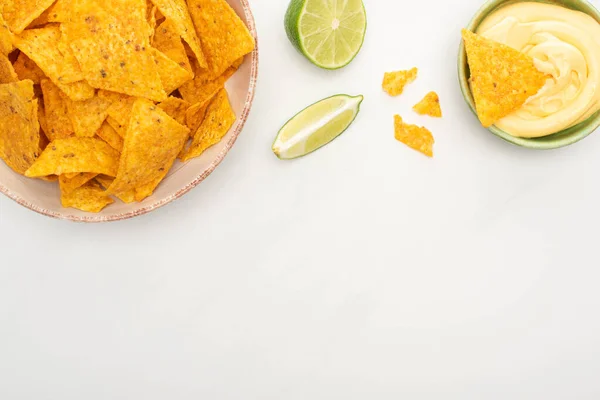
(364, 271)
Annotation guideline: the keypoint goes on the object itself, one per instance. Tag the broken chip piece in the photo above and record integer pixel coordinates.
(394, 82)
(430, 105)
(89, 198)
(415, 137)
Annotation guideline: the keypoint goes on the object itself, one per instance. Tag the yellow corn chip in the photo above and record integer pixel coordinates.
(88, 198)
(172, 75)
(120, 109)
(67, 185)
(177, 12)
(224, 36)
(7, 72)
(20, 13)
(394, 82)
(110, 136)
(152, 143)
(19, 127)
(43, 123)
(202, 88)
(430, 105)
(41, 45)
(147, 190)
(119, 128)
(59, 11)
(27, 69)
(175, 108)
(413, 136)
(77, 91)
(151, 11)
(87, 116)
(106, 181)
(219, 118)
(6, 37)
(58, 122)
(195, 115)
(76, 154)
(168, 42)
(502, 78)
(110, 61)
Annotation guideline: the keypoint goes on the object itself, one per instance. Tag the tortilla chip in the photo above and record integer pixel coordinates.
(110, 61)
(224, 36)
(6, 37)
(119, 128)
(41, 45)
(58, 122)
(67, 185)
(430, 105)
(87, 116)
(168, 42)
(394, 82)
(151, 11)
(7, 72)
(175, 108)
(110, 136)
(143, 192)
(88, 198)
(172, 75)
(77, 91)
(195, 115)
(19, 127)
(120, 109)
(219, 119)
(76, 154)
(152, 143)
(177, 12)
(27, 69)
(502, 78)
(413, 136)
(106, 181)
(20, 13)
(42, 121)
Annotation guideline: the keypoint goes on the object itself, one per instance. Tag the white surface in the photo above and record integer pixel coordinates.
(365, 271)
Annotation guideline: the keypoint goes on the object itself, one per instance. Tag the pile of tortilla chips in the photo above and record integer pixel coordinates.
(103, 96)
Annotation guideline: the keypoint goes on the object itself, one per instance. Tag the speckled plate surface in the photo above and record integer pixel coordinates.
(557, 140)
(44, 197)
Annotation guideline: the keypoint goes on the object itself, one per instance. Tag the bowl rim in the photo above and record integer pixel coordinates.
(576, 133)
(96, 218)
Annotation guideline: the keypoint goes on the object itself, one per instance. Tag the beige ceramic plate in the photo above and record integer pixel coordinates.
(44, 197)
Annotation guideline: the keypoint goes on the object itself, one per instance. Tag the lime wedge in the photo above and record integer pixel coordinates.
(316, 126)
(329, 33)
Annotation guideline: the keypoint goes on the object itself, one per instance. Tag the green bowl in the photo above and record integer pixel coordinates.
(556, 140)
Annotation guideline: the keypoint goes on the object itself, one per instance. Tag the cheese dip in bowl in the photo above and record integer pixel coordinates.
(564, 44)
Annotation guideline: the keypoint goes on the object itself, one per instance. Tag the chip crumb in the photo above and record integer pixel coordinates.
(394, 82)
(502, 78)
(430, 105)
(415, 137)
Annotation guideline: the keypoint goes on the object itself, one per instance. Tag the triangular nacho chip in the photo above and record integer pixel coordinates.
(175, 108)
(77, 91)
(430, 105)
(19, 127)
(110, 61)
(168, 42)
(110, 136)
(74, 155)
(42, 46)
(87, 116)
(224, 36)
(502, 78)
(217, 122)
(394, 82)
(415, 137)
(58, 122)
(152, 143)
(177, 13)
(172, 75)
(89, 198)
(20, 13)
(68, 184)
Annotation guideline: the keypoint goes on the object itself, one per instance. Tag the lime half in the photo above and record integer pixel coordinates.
(329, 33)
(316, 126)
